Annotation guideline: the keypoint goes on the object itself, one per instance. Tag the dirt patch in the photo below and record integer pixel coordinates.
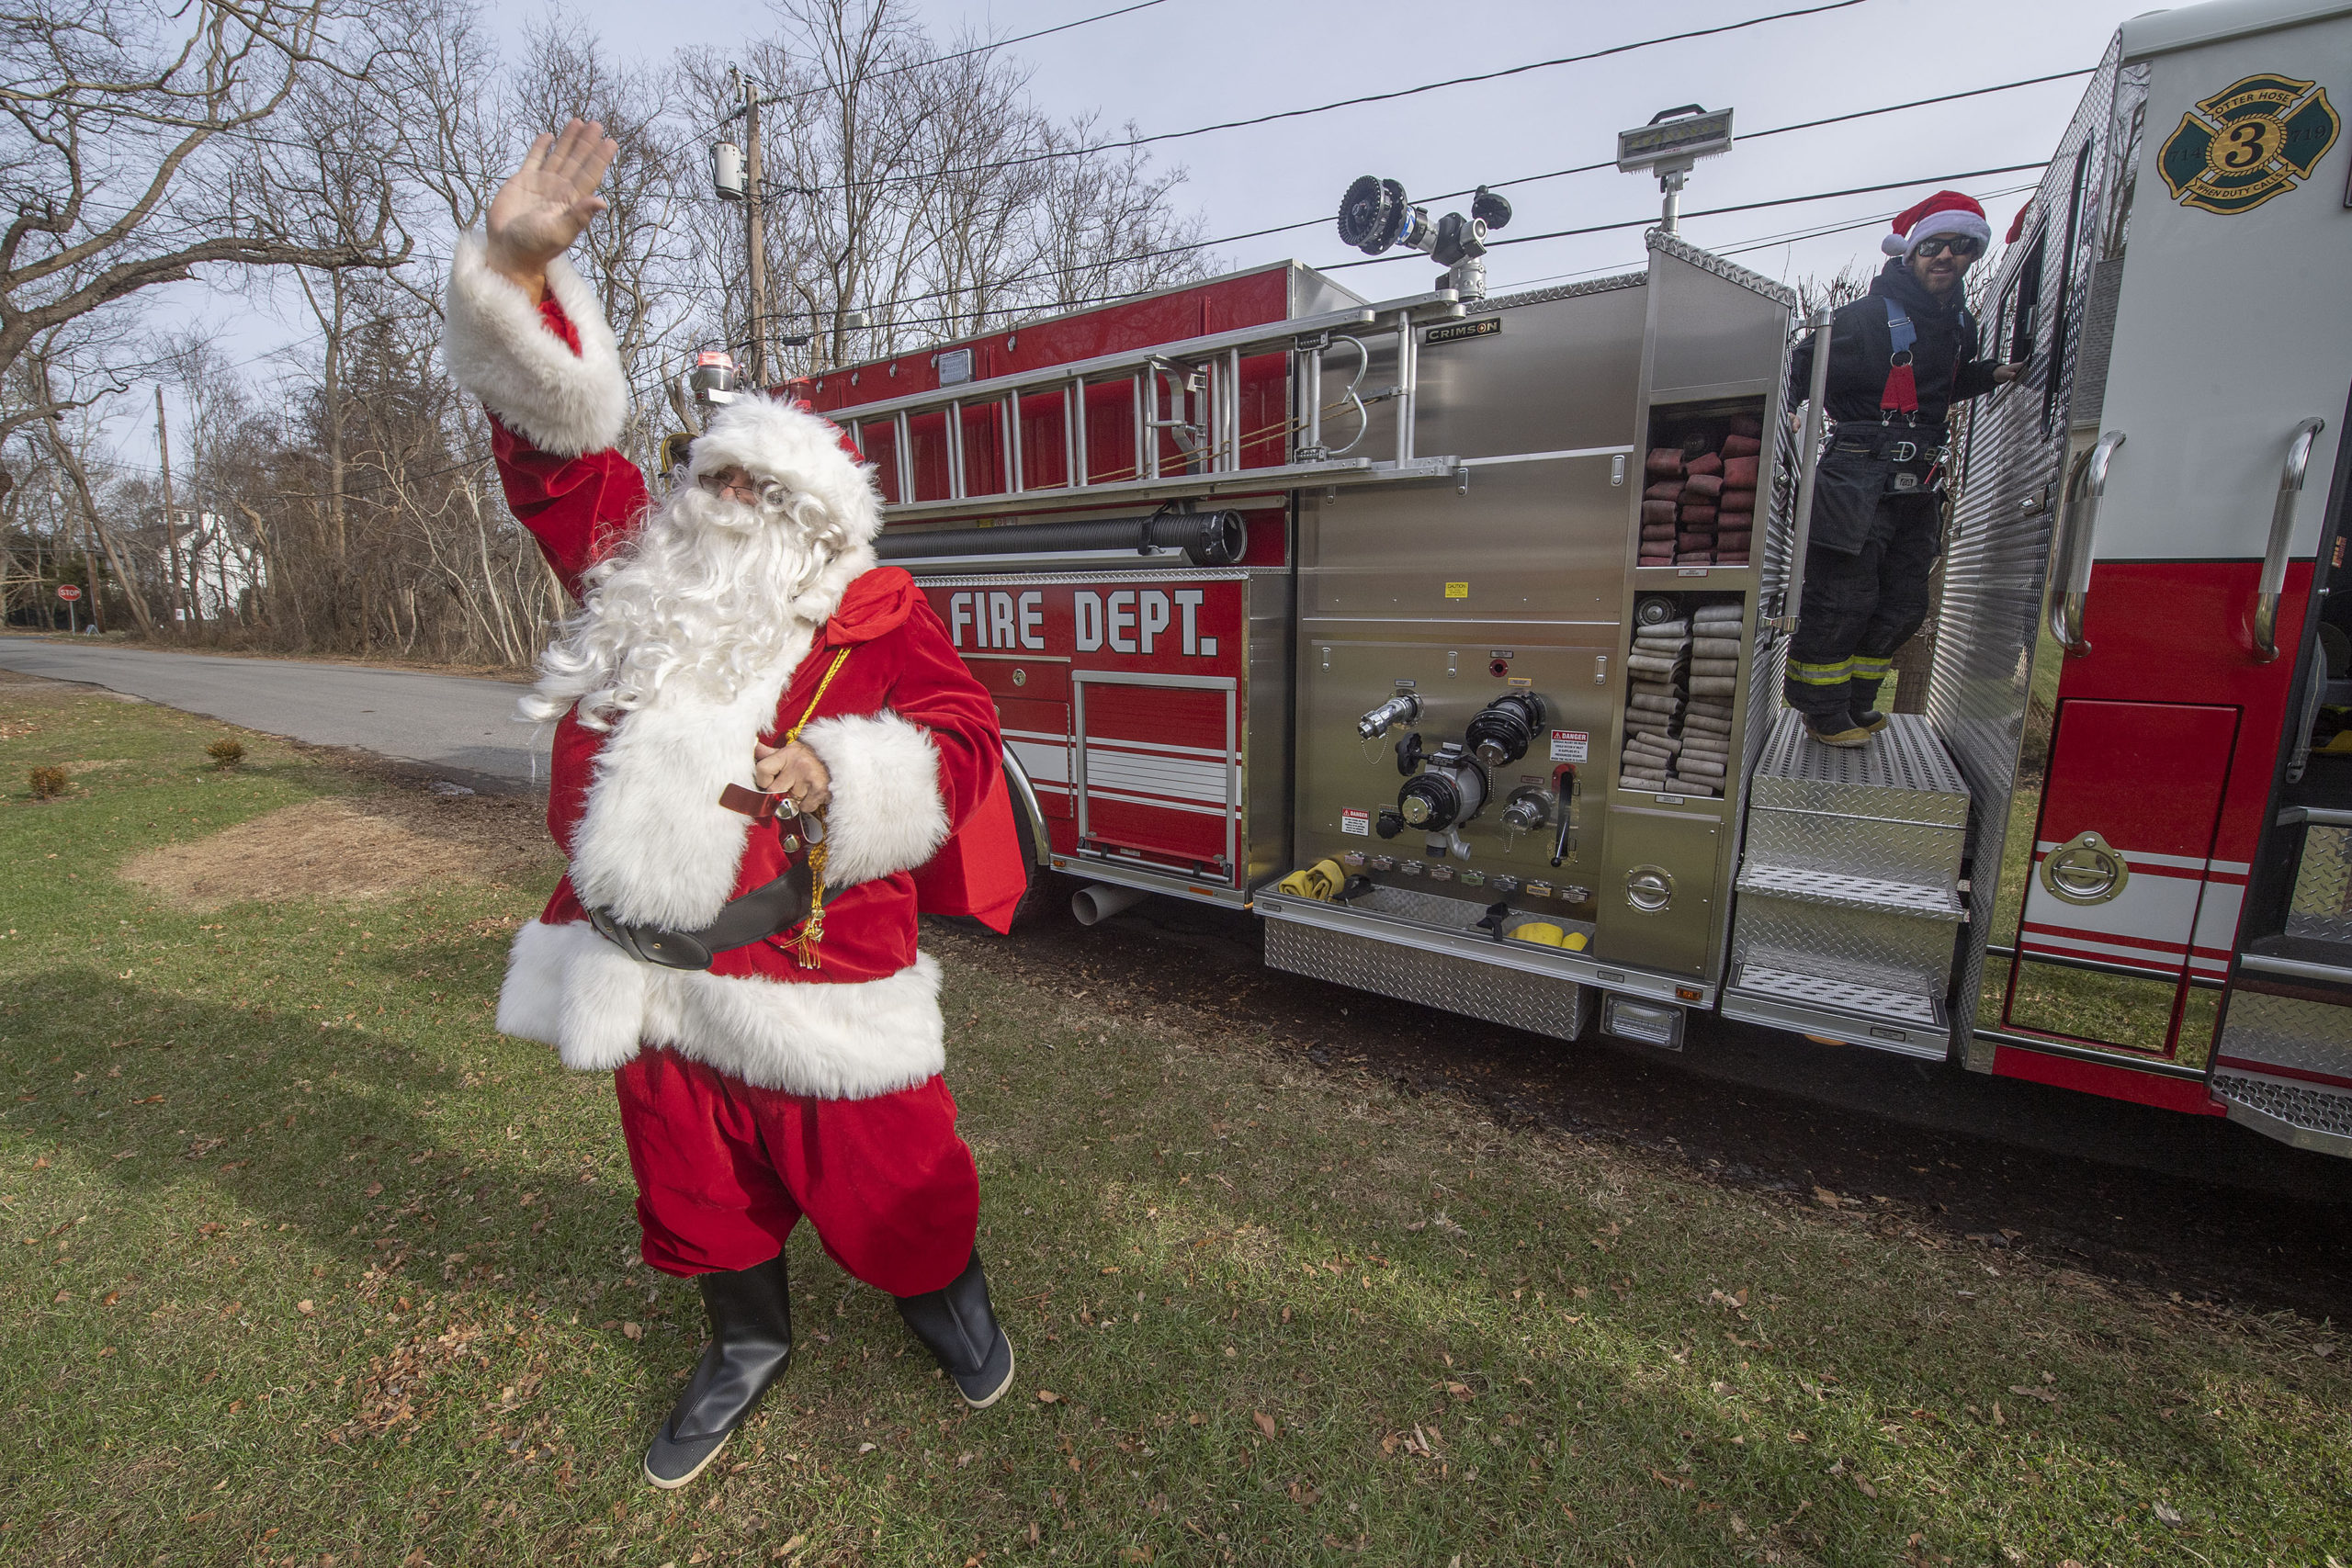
(367, 847)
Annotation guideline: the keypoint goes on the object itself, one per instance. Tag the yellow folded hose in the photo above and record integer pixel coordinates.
(1544, 933)
(1319, 881)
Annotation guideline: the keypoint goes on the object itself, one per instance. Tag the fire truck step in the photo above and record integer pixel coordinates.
(2308, 1115)
(1850, 889)
(1840, 890)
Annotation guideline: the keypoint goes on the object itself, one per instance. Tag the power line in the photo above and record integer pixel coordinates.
(1450, 195)
(943, 59)
(1390, 96)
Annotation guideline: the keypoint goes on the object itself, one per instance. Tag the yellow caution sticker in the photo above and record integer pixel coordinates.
(1457, 591)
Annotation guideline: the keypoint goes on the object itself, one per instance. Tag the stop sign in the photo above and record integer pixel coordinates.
(68, 593)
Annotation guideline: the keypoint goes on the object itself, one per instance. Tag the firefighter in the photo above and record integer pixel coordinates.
(1899, 358)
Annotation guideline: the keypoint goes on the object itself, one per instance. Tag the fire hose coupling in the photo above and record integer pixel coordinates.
(1501, 732)
(1402, 708)
(1450, 788)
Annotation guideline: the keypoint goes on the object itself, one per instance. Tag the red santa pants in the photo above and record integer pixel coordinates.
(724, 1171)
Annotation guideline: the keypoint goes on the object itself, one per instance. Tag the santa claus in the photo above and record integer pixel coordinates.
(765, 749)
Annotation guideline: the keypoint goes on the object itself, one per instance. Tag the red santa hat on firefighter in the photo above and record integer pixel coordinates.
(1946, 212)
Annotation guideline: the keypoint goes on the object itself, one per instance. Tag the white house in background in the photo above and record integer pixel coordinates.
(224, 571)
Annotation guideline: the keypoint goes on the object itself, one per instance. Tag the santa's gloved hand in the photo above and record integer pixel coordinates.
(795, 771)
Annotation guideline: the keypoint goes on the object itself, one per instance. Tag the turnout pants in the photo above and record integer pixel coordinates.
(1858, 608)
(725, 1170)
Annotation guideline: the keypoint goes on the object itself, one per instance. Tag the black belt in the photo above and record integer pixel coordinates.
(757, 915)
(1894, 442)
(754, 916)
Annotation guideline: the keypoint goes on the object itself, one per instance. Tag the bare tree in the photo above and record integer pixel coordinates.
(131, 152)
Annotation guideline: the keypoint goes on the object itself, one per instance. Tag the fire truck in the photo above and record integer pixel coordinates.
(1356, 613)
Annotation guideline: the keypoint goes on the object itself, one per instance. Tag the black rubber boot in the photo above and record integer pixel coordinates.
(751, 1340)
(1870, 721)
(960, 1329)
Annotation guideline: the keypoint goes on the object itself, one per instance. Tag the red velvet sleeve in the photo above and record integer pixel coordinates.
(578, 508)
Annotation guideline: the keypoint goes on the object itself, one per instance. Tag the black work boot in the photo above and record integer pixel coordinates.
(751, 1340)
(1868, 720)
(961, 1330)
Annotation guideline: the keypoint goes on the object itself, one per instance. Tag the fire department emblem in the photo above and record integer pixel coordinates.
(2247, 143)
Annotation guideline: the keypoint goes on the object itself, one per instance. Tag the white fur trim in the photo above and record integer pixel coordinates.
(499, 348)
(886, 814)
(831, 1041)
(1953, 220)
(654, 846)
(777, 441)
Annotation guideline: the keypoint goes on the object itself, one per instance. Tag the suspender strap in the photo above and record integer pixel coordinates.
(1902, 393)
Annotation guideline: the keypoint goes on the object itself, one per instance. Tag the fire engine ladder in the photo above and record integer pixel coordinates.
(1190, 390)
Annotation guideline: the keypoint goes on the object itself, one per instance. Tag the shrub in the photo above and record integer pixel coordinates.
(226, 753)
(50, 782)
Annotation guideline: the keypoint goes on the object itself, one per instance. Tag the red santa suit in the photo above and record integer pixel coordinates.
(762, 1088)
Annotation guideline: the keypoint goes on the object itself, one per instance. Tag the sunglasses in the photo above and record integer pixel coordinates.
(1962, 248)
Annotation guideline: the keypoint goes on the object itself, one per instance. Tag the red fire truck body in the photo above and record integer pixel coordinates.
(1267, 576)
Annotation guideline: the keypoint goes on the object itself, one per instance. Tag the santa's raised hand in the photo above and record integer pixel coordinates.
(545, 204)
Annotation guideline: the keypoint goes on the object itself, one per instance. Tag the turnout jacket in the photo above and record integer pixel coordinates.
(908, 735)
(1943, 361)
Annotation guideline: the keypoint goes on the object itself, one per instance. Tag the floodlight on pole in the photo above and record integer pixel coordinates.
(1670, 146)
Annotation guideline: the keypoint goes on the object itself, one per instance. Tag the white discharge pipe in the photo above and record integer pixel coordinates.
(1097, 901)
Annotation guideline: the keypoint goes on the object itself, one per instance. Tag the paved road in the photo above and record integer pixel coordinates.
(462, 726)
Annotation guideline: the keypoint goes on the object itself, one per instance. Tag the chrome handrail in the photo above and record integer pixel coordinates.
(2282, 528)
(1809, 460)
(2077, 529)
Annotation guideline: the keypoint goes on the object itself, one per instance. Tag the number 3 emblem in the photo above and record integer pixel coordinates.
(2248, 142)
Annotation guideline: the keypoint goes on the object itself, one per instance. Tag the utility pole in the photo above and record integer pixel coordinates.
(755, 234)
(171, 529)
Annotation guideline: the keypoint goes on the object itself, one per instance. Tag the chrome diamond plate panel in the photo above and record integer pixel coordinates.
(1903, 775)
(2288, 1031)
(1494, 302)
(1924, 900)
(1730, 272)
(1846, 996)
(2324, 1114)
(1536, 1003)
(2010, 466)
(1868, 946)
(2322, 906)
(1829, 841)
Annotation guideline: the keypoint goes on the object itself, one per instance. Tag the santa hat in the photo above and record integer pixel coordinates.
(1946, 212)
(773, 439)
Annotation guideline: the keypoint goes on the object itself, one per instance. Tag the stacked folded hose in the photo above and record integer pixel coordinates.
(1657, 673)
(1703, 759)
(1699, 504)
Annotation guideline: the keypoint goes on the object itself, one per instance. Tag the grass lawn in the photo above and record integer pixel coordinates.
(304, 1265)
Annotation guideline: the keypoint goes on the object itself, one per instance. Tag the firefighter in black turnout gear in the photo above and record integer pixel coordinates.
(1899, 358)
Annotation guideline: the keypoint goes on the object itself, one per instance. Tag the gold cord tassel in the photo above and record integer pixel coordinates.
(803, 943)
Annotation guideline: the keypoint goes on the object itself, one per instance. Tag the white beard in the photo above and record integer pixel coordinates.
(708, 595)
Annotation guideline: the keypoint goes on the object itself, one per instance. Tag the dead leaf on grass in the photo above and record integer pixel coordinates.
(1263, 1422)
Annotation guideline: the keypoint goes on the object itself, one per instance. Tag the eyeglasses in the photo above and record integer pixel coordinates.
(732, 482)
(1962, 247)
